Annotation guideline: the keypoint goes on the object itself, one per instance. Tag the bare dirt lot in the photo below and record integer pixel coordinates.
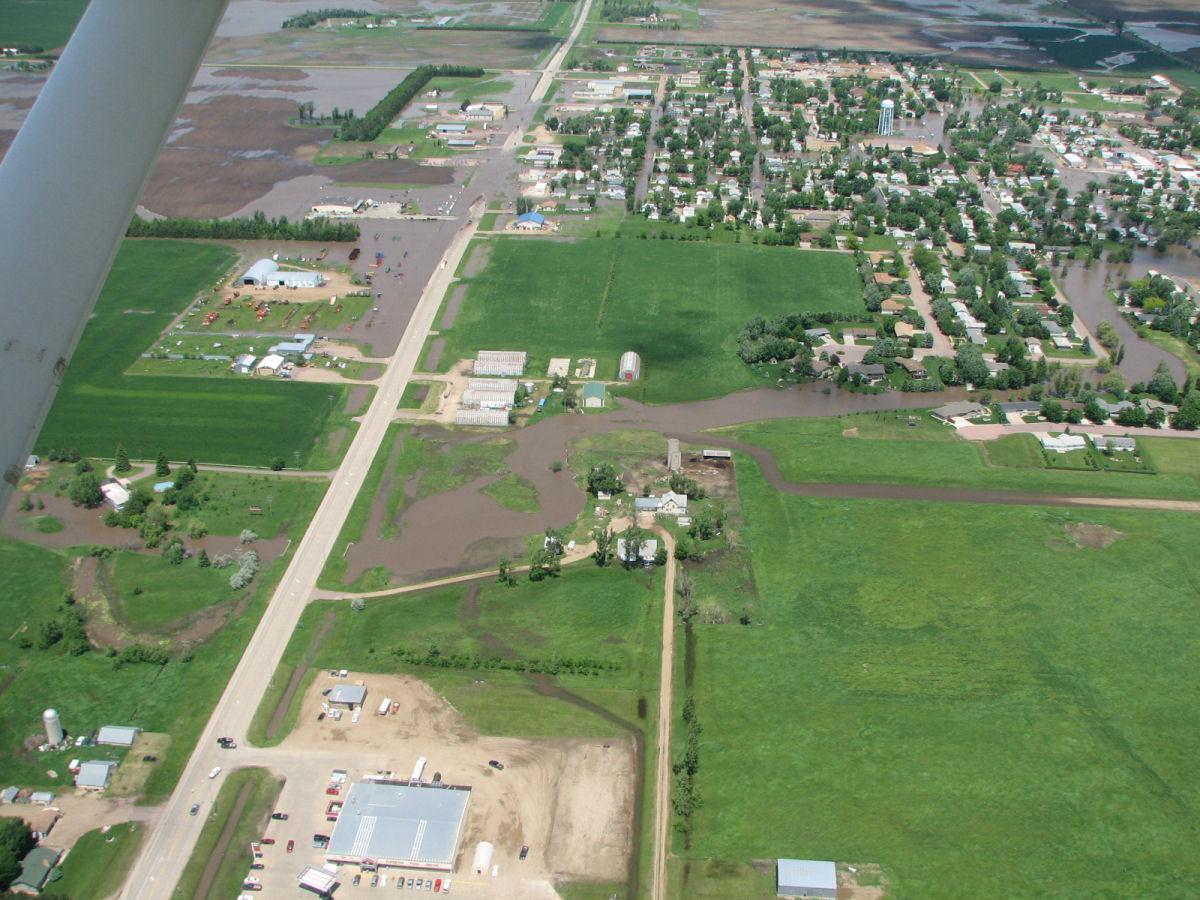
(568, 800)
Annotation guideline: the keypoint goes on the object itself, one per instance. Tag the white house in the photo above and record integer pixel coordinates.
(1062, 443)
(669, 504)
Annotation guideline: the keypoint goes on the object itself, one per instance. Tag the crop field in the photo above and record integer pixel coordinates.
(880, 448)
(99, 406)
(91, 689)
(601, 625)
(41, 23)
(974, 733)
(679, 304)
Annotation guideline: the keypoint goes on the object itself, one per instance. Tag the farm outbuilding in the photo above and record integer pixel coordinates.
(94, 774)
(630, 367)
(500, 362)
(118, 735)
(266, 272)
(593, 395)
(531, 221)
(493, 418)
(271, 364)
(805, 878)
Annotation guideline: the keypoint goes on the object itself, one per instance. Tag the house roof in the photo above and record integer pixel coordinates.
(534, 217)
(36, 867)
(593, 389)
(400, 823)
(958, 408)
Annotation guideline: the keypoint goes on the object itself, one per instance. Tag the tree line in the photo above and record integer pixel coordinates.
(255, 227)
(381, 115)
(317, 16)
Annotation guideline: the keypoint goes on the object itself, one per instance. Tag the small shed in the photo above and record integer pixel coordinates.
(531, 221)
(348, 694)
(630, 367)
(805, 878)
(118, 735)
(593, 395)
(42, 798)
(10, 794)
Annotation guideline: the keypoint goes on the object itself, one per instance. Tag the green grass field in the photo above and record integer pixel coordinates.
(89, 690)
(98, 862)
(960, 694)
(679, 304)
(99, 407)
(155, 593)
(609, 616)
(514, 492)
(887, 451)
(263, 790)
(42, 23)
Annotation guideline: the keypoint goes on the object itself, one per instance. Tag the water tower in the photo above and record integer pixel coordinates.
(54, 729)
(887, 113)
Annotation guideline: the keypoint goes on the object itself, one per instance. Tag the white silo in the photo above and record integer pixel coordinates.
(54, 729)
(887, 112)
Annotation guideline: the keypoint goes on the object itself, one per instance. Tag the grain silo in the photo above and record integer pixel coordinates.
(54, 729)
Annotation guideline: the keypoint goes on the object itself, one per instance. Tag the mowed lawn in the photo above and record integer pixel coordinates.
(247, 422)
(881, 448)
(41, 23)
(678, 304)
(962, 694)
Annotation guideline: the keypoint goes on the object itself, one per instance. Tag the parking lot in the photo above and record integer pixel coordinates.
(568, 800)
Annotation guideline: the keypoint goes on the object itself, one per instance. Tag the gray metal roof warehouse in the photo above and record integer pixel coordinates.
(417, 826)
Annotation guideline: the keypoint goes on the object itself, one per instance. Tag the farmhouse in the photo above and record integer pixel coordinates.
(805, 878)
(267, 272)
(35, 870)
(244, 364)
(630, 367)
(669, 504)
(593, 395)
(400, 824)
(1062, 443)
(500, 362)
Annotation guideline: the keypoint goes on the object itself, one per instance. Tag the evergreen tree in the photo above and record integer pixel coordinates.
(202, 559)
(123, 464)
(162, 468)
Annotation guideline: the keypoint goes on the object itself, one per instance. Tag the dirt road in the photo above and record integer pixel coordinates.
(662, 773)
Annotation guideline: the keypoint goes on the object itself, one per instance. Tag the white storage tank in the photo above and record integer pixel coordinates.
(54, 729)
(483, 858)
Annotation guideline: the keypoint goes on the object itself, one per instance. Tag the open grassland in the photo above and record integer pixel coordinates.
(597, 631)
(91, 689)
(238, 816)
(679, 304)
(98, 862)
(961, 694)
(99, 406)
(880, 448)
(41, 23)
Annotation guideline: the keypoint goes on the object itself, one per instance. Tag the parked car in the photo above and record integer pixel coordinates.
(279, 817)
(524, 851)
(374, 881)
(257, 865)
(291, 846)
(320, 717)
(195, 809)
(410, 883)
(149, 758)
(267, 841)
(495, 764)
(437, 886)
(251, 887)
(332, 790)
(215, 772)
(357, 880)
